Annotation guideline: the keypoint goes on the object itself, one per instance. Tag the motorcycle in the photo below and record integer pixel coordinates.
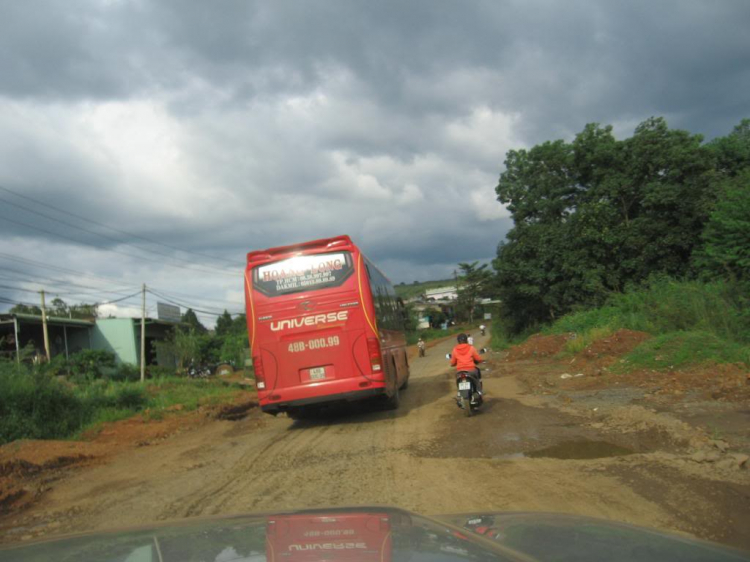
(198, 371)
(469, 399)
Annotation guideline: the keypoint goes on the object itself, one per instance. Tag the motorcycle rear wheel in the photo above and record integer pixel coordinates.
(466, 405)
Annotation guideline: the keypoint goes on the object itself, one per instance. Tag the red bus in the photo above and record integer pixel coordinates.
(324, 326)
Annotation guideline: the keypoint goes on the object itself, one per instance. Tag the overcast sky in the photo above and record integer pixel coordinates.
(222, 127)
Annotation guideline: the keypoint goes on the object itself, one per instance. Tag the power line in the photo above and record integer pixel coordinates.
(142, 258)
(35, 291)
(185, 305)
(126, 233)
(136, 294)
(68, 271)
(15, 302)
(39, 280)
(86, 230)
(59, 269)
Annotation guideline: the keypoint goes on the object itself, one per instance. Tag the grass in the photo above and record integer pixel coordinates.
(500, 338)
(37, 405)
(692, 322)
(676, 350)
(582, 341)
(189, 393)
(666, 305)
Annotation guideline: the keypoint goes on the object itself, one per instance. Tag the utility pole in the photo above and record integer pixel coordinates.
(44, 327)
(143, 336)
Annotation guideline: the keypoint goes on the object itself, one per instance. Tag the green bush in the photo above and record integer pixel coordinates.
(128, 396)
(35, 405)
(159, 372)
(501, 338)
(125, 372)
(680, 349)
(91, 364)
(666, 305)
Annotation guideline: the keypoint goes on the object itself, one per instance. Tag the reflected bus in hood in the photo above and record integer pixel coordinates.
(376, 535)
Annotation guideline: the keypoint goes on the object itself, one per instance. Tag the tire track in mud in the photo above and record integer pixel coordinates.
(361, 457)
(244, 466)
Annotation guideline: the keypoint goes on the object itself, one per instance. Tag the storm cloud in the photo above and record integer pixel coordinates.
(219, 128)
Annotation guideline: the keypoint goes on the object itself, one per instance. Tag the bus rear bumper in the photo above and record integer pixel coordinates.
(284, 406)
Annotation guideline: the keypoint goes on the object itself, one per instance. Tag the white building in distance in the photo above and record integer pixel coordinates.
(441, 294)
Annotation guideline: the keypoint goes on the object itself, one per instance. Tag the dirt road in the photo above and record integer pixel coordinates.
(521, 453)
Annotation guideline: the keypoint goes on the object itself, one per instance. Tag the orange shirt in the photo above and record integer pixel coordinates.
(463, 357)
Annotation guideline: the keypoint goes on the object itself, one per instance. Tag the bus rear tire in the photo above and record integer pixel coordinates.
(298, 414)
(392, 402)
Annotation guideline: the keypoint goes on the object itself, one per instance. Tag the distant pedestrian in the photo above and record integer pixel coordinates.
(420, 346)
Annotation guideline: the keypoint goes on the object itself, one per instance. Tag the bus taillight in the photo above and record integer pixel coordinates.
(260, 376)
(373, 350)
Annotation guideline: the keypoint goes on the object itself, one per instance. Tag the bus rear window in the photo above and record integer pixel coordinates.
(303, 273)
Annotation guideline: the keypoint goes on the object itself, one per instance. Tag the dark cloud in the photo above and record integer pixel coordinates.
(223, 128)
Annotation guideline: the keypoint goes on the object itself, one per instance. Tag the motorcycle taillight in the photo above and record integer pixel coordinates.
(373, 350)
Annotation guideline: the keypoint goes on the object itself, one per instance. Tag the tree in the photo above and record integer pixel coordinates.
(595, 215)
(25, 309)
(726, 249)
(58, 307)
(84, 311)
(474, 282)
(191, 319)
(435, 316)
(223, 324)
(183, 344)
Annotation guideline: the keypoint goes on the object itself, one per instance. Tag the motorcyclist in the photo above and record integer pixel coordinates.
(420, 346)
(464, 357)
(482, 328)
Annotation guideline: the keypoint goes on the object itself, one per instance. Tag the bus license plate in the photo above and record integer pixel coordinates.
(464, 385)
(317, 373)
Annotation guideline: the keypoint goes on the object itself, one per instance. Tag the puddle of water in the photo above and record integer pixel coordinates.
(571, 450)
(580, 450)
(508, 457)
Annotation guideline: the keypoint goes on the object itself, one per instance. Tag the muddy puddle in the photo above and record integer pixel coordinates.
(572, 450)
(506, 429)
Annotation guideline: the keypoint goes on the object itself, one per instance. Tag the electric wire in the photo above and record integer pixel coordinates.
(68, 271)
(185, 305)
(134, 256)
(86, 230)
(124, 232)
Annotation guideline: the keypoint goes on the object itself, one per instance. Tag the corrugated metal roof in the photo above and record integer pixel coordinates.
(56, 320)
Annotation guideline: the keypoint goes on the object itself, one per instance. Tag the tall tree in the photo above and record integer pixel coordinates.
(223, 324)
(26, 309)
(726, 249)
(597, 214)
(59, 307)
(191, 319)
(474, 282)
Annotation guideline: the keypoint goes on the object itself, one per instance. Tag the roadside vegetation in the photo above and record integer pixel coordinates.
(649, 233)
(692, 322)
(63, 399)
